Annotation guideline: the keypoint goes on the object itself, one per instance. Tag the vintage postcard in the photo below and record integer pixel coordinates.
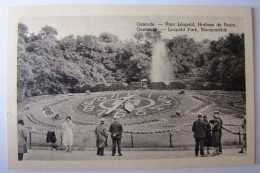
(130, 87)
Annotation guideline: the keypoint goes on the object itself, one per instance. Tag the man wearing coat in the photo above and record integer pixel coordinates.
(116, 130)
(199, 130)
(101, 137)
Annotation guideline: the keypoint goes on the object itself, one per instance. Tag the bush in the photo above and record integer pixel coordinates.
(157, 85)
(134, 86)
(175, 85)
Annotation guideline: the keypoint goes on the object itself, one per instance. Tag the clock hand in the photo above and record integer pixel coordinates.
(129, 107)
(118, 104)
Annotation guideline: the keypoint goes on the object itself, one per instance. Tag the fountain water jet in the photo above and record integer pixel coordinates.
(162, 68)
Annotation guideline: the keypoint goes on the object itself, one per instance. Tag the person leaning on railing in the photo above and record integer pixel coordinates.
(244, 136)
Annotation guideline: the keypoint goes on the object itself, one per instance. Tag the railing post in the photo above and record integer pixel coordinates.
(30, 137)
(239, 138)
(170, 139)
(61, 139)
(132, 141)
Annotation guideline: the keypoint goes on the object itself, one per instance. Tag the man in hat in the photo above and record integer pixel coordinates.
(116, 130)
(216, 116)
(101, 137)
(199, 130)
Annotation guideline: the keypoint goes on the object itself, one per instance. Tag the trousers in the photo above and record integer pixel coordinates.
(116, 142)
(100, 151)
(199, 146)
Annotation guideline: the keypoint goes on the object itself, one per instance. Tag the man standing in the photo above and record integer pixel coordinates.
(101, 137)
(199, 128)
(116, 130)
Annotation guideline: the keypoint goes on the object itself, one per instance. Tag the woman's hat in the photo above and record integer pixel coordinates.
(116, 117)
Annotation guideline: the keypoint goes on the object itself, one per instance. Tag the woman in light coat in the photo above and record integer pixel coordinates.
(22, 137)
(68, 133)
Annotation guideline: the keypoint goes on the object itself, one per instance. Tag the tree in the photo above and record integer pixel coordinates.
(68, 43)
(139, 36)
(48, 32)
(185, 52)
(227, 61)
(153, 36)
(22, 33)
(106, 37)
(22, 30)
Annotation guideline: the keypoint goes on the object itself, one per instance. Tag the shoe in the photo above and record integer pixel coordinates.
(240, 152)
(203, 155)
(120, 154)
(113, 154)
(208, 153)
(102, 154)
(69, 151)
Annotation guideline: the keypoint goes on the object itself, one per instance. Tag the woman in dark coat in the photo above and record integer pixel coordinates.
(207, 141)
(215, 135)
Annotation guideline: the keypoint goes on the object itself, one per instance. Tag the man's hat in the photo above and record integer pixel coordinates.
(205, 116)
(199, 116)
(102, 120)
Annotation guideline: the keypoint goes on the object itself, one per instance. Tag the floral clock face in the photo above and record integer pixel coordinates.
(127, 104)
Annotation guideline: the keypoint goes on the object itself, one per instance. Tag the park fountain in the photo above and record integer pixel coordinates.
(162, 69)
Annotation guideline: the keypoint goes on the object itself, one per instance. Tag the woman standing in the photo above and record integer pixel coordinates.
(207, 141)
(68, 133)
(22, 137)
(215, 135)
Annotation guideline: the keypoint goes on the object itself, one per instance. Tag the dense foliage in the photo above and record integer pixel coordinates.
(47, 65)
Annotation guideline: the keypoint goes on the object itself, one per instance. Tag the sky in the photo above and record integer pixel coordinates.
(126, 26)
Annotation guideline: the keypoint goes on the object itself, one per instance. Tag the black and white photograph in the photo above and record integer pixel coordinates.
(124, 87)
